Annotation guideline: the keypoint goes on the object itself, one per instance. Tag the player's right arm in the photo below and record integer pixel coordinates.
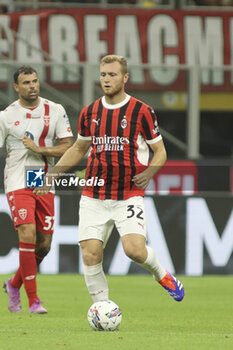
(73, 155)
(69, 159)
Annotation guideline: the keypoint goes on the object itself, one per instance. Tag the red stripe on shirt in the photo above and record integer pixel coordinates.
(44, 134)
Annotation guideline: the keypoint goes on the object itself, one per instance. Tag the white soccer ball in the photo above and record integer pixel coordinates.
(104, 316)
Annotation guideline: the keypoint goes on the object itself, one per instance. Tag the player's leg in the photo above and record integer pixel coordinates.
(16, 281)
(22, 207)
(44, 218)
(43, 246)
(135, 248)
(131, 224)
(27, 259)
(94, 230)
(44, 215)
(95, 279)
(28, 266)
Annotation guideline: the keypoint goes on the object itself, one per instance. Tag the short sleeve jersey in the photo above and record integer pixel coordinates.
(43, 124)
(120, 135)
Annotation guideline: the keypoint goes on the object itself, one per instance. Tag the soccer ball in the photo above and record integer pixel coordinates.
(104, 316)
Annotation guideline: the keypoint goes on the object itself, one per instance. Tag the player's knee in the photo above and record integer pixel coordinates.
(43, 249)
(92, 252)
(134, 253)
(27, 233)
(91, 257)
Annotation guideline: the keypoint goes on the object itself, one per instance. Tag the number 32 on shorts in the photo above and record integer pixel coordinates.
(49, 221)
(134, 211)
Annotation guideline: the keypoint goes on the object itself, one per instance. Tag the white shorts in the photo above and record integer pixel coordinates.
(97, 217)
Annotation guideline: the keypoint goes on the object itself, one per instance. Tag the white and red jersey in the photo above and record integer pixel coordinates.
(43, 124)
(120, 135)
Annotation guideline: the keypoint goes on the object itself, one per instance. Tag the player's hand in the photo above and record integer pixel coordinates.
(48, 183)
(41, 191)
(30, 144)
(142, 180)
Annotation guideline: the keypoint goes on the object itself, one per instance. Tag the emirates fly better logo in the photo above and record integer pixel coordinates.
(109, 143)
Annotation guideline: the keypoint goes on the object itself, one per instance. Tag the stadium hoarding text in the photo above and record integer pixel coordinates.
(155, 37)
(192, 235)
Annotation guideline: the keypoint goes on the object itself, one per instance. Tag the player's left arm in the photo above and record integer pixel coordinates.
(159, 158)
(53, 151)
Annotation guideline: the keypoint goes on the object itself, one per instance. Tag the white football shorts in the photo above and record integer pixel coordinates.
(97, 217)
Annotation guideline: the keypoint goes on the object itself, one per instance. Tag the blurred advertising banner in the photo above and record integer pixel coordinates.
(193, 177)
(156, 37)
(191, 235)
(175, 177)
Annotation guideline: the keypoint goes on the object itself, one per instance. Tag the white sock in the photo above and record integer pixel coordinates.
(96, 282)
(152, 265)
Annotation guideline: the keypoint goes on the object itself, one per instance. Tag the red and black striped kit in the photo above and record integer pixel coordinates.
(119, 148)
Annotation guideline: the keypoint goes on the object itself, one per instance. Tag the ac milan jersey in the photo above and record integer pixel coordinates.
(120, 136)
(43, 124)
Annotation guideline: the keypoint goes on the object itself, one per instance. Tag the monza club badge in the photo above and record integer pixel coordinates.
(23, 213)
(46, 120)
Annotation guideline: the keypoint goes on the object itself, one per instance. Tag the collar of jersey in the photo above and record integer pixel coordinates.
(34, 112)
(117, 105)
(30, 108)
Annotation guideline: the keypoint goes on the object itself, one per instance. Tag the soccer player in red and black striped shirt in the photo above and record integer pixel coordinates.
(118, 128)
(120, 133)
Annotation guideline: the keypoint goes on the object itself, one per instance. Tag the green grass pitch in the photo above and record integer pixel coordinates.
(151, 318)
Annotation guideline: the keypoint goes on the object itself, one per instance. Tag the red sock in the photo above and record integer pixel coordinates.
(17, 281)
(28, 268)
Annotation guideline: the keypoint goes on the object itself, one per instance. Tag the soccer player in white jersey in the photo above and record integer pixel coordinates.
(29, 126)
(119, 128)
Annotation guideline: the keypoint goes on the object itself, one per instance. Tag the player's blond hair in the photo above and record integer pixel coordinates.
(116, 58)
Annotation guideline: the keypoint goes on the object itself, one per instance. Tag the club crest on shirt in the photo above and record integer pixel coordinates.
(124, 122)
(22, 213)
(46, 120)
